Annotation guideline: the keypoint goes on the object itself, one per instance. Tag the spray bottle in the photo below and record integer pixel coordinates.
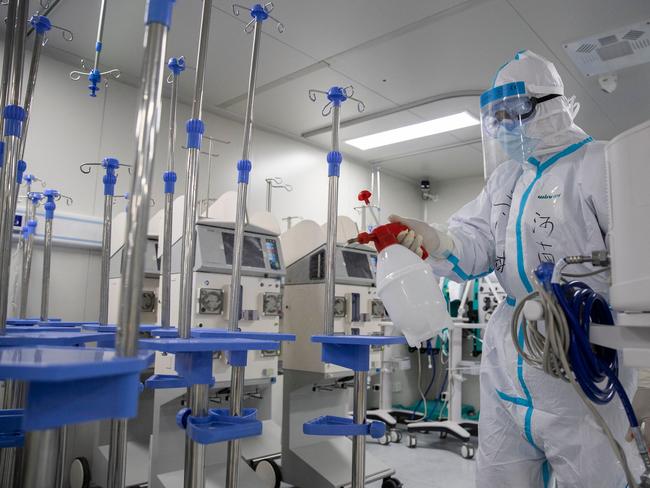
(407, 286)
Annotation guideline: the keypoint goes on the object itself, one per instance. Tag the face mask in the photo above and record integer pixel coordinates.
(516, 144)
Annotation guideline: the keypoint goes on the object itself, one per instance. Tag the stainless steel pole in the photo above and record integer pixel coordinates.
(158, 19)
(332, 218)
(14, 115)
(177, 66)
(11, 124)
(197, 394)
(111, 165)
(244, 167)
(41, 459)
(31, 84)
(269, 190)
(47, 260)
(100, 33)
(359, 441)
(28, 250)
(7, 59)
(106, 259)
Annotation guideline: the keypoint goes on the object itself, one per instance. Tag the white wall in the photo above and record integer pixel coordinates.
(67, 128)
(451, 196)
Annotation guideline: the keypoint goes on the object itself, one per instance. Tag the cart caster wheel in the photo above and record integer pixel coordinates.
(395, 435)
(80, 473)
(412, 442)
(269, 472)
(391, 483)
(467, 451)
(385, 440)
(443, 435)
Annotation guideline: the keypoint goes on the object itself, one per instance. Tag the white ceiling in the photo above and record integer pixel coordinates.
(392, 51)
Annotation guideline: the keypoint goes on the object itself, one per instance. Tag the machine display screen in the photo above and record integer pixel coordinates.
(152, 264)
(357, 264)
(272, 251)
(253, 255)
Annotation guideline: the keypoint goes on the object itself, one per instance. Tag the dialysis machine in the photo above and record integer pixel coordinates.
(311, 387)
(151, 271)
(263, 273)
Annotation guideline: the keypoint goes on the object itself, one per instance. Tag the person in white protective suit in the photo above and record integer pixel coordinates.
(545, 199)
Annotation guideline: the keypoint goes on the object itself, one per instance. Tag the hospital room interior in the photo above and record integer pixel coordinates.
(324, 244)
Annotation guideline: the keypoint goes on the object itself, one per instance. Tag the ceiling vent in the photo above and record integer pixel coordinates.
(611, 51)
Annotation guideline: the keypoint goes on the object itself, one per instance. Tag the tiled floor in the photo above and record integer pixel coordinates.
(435, 463)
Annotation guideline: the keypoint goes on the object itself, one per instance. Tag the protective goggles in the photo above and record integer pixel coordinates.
(510, 112)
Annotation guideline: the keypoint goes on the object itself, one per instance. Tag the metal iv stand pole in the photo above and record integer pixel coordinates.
(94, 75)
(111, 166)
(50, 196)
(32, 200)
(41, 26)
(177, 66)
(157, 21)
(259, 14)
(336, 97)
(197, 394)
(271, 183)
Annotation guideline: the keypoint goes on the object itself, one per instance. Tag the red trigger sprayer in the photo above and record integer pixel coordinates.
(384, 236)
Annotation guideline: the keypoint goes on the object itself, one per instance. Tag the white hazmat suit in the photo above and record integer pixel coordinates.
(550, 204)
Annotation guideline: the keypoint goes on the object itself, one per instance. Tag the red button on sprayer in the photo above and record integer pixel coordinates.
(364, 196)
(384, 236)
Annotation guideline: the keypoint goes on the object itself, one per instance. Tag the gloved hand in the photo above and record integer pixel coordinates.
(641, 404)
(421, 234)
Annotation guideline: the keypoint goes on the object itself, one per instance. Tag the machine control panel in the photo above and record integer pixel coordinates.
(354, 266)
(151, 265)
(262, 255)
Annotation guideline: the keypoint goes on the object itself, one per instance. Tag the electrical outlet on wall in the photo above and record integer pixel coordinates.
(397, 386)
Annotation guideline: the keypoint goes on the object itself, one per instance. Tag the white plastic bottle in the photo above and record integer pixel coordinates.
(407, 287)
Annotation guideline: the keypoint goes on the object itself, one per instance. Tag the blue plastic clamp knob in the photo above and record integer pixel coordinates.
(98, 46)
(244, 167)
(176, 65)
(169, 177)
(94, 77)
(40, 23)
(336, 95)
(24, 232)
(50, 206)
(22, 167)
(334, 160)
(259, 13)
(195, 129)
(29, 179)
(181, 417)
(14, 116)
(377, 430)
(159, 12)
(32, 224)
(2, 153)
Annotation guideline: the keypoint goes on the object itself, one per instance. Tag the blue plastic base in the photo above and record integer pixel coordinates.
(193, 361)
(163, 381)
(352, 352)
(220, 426)
(31, 329)
(113, 328)
(60, 323)
(56, 338)
(257, 336)
(341, 426)
(68, 385)
(175, 345)
(11, 428)
(23, 321)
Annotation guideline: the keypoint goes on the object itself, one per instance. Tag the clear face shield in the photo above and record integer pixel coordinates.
(506, 129)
